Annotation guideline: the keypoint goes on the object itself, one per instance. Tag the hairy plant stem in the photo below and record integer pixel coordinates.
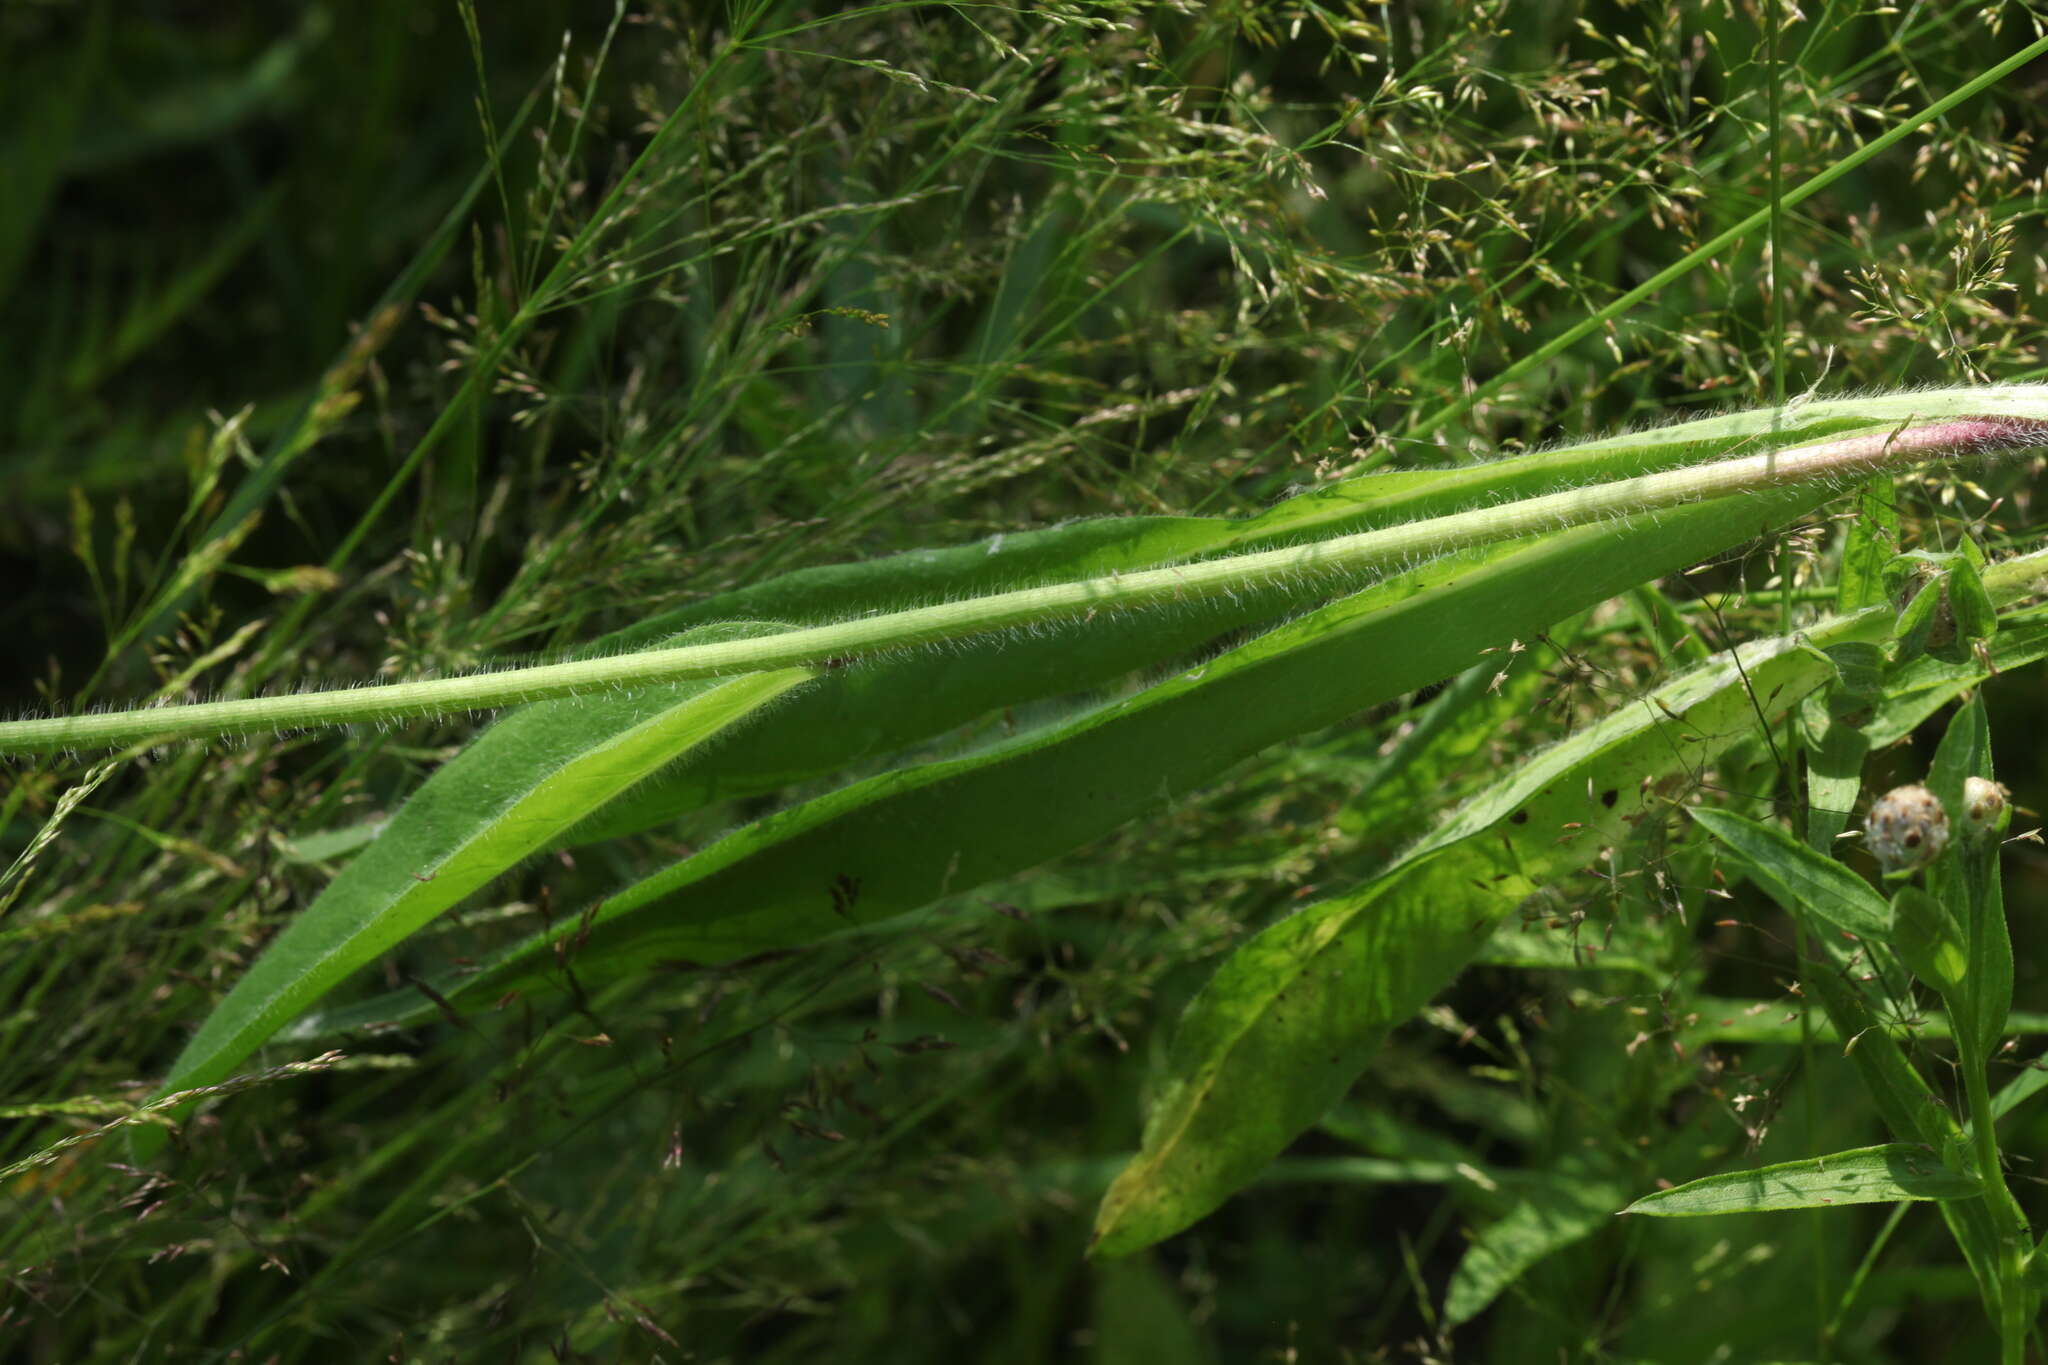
(1300, 572)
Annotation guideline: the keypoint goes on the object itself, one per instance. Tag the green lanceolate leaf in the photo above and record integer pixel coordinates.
(1927, 940)
(1744, 488)
(1292, 1017)
(1865, 1175)
(878, 709)
(882, 707)
(1124, 544)
(510, 793)
(899, 841)
(1804, 883)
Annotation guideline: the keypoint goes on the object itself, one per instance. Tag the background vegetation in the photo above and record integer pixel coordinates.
(346, 342)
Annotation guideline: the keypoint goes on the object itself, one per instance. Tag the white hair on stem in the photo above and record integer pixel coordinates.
(1950, 424)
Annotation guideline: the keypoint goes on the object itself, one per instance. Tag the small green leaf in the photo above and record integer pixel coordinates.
(1805, 883)
(2031, 1081)
(1835, 750)
(1872, 541)
(1976, 618)
(1964, 752)
(1865, 1175)
(1918, 626)
(1546, 1218)
(1927, 940)
(1861, 666)
(1914, 691)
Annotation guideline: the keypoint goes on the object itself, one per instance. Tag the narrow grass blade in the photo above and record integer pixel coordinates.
(1865, 1175)
(507, 795)
(298, 436)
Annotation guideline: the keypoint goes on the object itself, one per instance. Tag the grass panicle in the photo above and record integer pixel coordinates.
(1317, 747)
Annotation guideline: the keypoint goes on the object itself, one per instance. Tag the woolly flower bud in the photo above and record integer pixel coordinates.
(1987, 807)
(1908, 829)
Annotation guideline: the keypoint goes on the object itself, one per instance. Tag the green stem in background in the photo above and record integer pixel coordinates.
(1833, 1327)
(2005, 1210)
(550, 294)
(1774, 301)
(1300, 572)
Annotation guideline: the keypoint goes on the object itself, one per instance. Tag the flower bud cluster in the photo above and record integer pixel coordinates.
(1908, 829)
